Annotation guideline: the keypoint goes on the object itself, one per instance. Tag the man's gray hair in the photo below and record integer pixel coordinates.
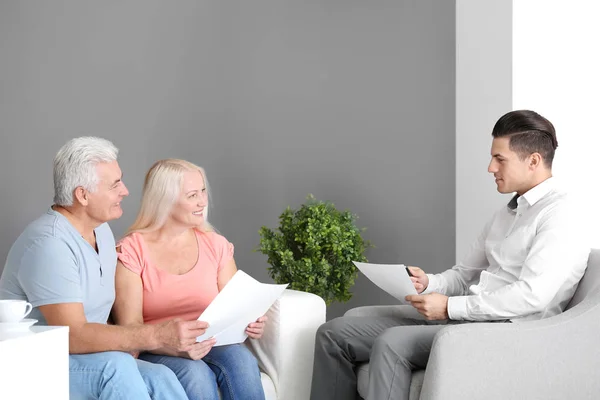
(75, 165)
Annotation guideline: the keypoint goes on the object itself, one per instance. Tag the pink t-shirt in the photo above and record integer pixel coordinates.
(167, 296)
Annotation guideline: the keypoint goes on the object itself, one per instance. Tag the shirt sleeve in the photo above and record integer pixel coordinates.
(555, 254)
(129, 252)
(456, 281)
(49, 273)
(225, 251)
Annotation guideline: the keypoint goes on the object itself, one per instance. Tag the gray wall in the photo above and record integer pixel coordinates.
(484, 92)
(352, 101)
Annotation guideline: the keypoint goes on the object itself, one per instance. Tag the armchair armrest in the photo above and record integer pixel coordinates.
(286, 350)
(553, 358)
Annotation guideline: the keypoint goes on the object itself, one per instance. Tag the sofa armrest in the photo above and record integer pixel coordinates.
(553, 358)
(286, 350)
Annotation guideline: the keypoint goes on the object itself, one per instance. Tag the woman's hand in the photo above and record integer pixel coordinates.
(255, 329)
(200, 349)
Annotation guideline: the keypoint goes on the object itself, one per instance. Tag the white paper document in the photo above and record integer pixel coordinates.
(392, 278)
(242, 301)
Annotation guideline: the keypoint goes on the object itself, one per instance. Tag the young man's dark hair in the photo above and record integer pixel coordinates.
(529, 133)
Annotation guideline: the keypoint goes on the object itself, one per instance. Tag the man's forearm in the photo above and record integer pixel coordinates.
(167, 351)
(93, 338)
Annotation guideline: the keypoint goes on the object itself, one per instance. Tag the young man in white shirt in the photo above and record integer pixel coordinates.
(525, 265)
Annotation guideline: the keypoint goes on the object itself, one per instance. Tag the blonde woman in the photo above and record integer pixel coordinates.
(171, 265)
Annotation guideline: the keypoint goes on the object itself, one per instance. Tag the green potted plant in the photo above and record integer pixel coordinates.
(313, 249)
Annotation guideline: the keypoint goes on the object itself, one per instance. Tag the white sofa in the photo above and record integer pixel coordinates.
(285, 352)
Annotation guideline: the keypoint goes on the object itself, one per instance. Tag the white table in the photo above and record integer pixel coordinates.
(34, 364)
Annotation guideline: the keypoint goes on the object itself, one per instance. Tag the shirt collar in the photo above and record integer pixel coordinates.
(534, 194)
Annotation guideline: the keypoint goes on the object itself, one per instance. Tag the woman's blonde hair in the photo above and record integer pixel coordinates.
(162, 187)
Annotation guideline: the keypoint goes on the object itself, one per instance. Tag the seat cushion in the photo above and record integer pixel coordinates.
(362, 379)
(268, 387)
(416, 382)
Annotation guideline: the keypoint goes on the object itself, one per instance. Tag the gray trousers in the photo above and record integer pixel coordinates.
(393, 346)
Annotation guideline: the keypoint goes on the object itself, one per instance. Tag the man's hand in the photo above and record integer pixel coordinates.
(432, 306)
(200, 349)
(256, 329)
(179, 335)
(419, 278)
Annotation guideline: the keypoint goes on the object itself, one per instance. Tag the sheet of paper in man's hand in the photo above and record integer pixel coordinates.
(242, 301)
(392, 278)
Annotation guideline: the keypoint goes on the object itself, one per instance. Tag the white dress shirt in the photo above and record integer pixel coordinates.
(525, 265)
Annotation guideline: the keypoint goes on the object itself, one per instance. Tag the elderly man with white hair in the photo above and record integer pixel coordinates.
(64, 265)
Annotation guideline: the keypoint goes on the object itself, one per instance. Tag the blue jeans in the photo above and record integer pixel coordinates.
(232, 368)
(116, 375)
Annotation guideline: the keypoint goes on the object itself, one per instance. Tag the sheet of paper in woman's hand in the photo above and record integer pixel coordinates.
(392, 278)
(242, 301)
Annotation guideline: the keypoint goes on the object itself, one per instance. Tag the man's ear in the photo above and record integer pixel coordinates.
(535, 160)
(81, 195)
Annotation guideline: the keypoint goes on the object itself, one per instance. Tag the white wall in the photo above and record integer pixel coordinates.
(483, 94)
(556, 66)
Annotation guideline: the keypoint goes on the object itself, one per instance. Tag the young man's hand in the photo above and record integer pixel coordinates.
(432, 306)
(419, 278)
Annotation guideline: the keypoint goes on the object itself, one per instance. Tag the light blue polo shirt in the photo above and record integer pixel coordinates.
(51, 263)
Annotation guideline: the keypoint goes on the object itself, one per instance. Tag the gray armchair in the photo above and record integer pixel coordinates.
(553, 358)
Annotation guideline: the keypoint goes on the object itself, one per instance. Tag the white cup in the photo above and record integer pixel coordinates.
(14, 310)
